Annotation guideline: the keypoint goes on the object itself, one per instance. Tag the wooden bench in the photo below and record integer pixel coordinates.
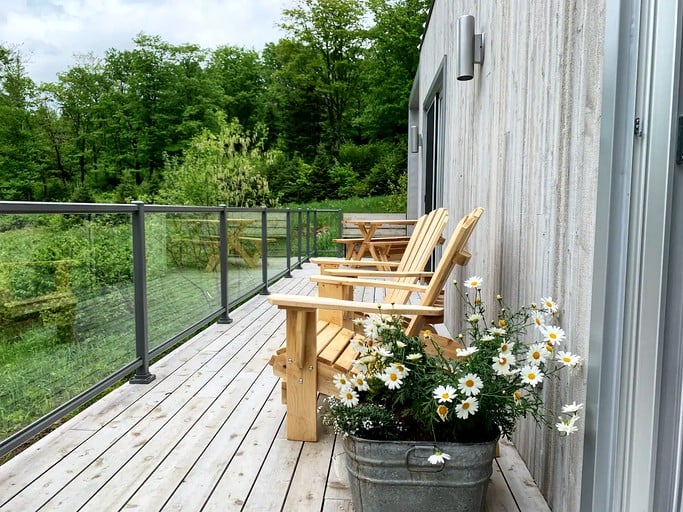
(56, 308)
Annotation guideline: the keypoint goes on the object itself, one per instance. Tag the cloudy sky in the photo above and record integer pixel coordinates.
(51, 33)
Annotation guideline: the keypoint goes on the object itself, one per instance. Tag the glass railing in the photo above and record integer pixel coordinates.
(91, 293)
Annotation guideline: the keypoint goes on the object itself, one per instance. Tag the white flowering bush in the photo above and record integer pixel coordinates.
(406, 388)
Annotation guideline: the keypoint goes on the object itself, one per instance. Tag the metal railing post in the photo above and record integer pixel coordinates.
(315, 233)
(264, 250)
(308, 233)
(223, 228)
(299, 235)
(142, 374)
(340, 252)
(288, 241)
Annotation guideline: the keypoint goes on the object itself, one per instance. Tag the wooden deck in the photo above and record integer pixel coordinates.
(207, 434)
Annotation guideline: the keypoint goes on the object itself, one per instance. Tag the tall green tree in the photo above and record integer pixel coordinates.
(335, 31)
(390, 66)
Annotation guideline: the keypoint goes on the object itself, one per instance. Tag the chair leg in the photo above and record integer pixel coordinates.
(302, 371)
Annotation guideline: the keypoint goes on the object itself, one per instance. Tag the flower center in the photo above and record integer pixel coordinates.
(445, 396)
(393, 376)
(465, 405)
(469, 383)
(531, 376)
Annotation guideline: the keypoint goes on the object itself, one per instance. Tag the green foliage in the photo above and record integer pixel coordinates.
(220, 169)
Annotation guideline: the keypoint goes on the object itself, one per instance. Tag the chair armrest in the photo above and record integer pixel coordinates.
(352, 263)
(307, 302)
(372, 283)
(375, 273)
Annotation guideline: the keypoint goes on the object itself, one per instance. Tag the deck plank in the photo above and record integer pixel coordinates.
(208, 434)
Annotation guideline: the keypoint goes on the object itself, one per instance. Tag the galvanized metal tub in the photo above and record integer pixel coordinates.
(394, 476)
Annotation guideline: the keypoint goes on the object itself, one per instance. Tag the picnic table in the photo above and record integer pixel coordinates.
(204, 234)
(381, 248)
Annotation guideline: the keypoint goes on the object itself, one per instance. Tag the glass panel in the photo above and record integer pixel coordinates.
(66, 309)
(183, 272)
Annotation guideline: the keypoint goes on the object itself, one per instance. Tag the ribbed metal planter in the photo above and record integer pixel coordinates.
(394, 476)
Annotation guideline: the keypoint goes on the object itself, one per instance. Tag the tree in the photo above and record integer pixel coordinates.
(390, 66)
(335, 31)
(215, 169)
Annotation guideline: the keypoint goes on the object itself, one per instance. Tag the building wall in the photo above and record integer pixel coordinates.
(521, 139)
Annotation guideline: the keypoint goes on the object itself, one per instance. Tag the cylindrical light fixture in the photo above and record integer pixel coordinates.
(470, 48)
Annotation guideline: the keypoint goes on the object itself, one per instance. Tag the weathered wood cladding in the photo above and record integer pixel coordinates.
(521, 139)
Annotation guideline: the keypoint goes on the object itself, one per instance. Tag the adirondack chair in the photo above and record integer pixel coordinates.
(427, 234)
(418, 249)
(317, 350)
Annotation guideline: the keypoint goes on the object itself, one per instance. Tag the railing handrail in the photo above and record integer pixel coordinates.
(138, 210)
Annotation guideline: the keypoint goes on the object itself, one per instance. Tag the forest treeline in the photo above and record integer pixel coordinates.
(319, 114)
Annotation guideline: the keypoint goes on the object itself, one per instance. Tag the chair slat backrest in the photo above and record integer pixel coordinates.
(453, 251)
(425, 237)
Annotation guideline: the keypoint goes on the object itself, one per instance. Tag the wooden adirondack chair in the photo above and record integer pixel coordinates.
(317, 350)
(418, 249)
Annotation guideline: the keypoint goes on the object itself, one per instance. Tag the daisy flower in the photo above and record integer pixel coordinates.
(506, 348)
(531, 374)
(383, 351)
(567, 425)
(538, 318)
(360, 382)
(444, 394)
(537, 353)
(465, 352)
(341, 381)
(517, 395)
(467, 408)
(442, 411)
(549, 305)
(473, 319)
(349, 397)
(497, 331)
(414, 357)
(439, 457)
(572, 408)
(568, 359)
(487, 337)
(474, 282)
(554, 334)
(391, 378)
(470, 384)
(501, 364)
(401, 369)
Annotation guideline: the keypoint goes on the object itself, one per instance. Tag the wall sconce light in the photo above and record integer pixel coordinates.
(470, 48)
(414, 139)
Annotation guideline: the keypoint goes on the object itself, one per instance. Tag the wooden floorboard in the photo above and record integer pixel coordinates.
(207, 435)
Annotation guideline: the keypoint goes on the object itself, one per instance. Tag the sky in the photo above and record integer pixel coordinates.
(50, 34)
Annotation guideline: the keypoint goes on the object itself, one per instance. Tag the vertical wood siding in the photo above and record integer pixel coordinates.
(522, 140)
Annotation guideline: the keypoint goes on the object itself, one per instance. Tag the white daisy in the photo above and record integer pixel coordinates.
(531, 374)
(502, 363)
(465, 352)
(473, 319)
(414, 357)
(470, 384)
(537, 353)
(549, 305)
(506, 348)
(568, 359)
(567, 426)
(444, 393)
(538, 318)
(391, 378)
(517, 395)
(341, 381)
(554, 334)
(497, 331)
(474, 282)
(442, 411)
(401, 369)
(467, 408)
(360, 382)
(349, 397)
(487, 337)
(572, 408)
(383, 351)
(438, 457)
